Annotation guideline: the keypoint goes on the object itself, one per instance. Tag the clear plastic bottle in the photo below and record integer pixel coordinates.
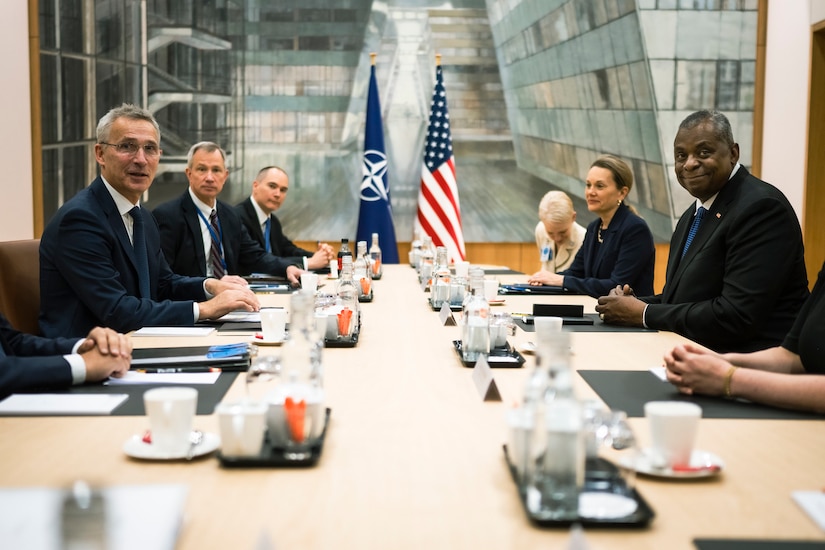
(376, 266)
(343, 251)
(425, 268)
(441, 279)
(556, 456)
(415, 252)
(475, 330)
(301, 351)
(361, 272)
(350, 317)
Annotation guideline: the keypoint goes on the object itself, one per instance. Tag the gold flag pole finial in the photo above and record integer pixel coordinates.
(438, 60)
(372, 58)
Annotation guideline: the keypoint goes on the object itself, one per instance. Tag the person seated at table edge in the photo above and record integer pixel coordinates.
(100, 258)
(618, 246)
(736, 275)
(203, 236)
(770, 376)
(29, 362)
(269, 191)
(558, 236)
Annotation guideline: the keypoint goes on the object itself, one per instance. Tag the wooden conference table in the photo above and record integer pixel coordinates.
(413, 456)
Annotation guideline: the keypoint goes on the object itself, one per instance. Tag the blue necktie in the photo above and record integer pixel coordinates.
(267, 227)
(694, 227)
(139, 244)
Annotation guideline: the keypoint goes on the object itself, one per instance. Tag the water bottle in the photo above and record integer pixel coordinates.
(441, 279)
(361, 272)
(375, 258)
(426, 261)
(475, 330)
(343, 251)
(347, 300)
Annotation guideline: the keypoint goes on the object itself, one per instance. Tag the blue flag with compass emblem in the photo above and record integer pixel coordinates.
(375, 214)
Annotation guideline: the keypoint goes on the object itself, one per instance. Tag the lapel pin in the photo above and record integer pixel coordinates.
(718, 216)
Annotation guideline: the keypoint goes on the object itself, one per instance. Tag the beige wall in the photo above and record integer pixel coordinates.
(16, 219)
(786, 104)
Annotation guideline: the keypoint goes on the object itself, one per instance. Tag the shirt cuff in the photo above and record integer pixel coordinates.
(197, 311)
(644, 316)
(78, 366)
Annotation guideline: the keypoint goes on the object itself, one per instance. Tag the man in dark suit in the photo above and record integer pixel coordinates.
(30, 362)
(202, 236)
(258, 215)
(736, 274)
(100, 258)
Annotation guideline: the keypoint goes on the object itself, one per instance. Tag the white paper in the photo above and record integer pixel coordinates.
(133, 377)
(61, 403)
(660, 373)
(241, 317)
(138, 517)
(813, 502)
(174, 331)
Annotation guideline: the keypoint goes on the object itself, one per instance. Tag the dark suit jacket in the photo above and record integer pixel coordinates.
(281, 245)
(182, 241)
(32, 362)
(627, 256)
(88, 276)
(743, 280)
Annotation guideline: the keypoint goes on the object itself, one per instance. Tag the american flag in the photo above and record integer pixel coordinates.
(439, 214)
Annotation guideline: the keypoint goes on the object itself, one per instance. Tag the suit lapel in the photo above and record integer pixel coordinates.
(252, 221)
(115, 220)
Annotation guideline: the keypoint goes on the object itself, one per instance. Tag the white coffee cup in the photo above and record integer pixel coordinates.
(462, 269)
(673, 427)
(170, 412)
(273, 324)
(490, 289)
(309, 282)
(333, 269)
(546, 327)
(242, 427)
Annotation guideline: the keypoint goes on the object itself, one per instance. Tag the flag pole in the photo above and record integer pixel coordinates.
(438, 60)
(373, 55)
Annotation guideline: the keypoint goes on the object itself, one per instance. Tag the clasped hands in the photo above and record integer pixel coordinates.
(621, 307)
(106, 353)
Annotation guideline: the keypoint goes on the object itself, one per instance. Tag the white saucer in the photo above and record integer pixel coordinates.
(262, 342)
(706, 464)
(137, 448)
(527, 348)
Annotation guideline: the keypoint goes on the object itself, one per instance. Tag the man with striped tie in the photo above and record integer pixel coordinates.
(204, 237)
(736, 274)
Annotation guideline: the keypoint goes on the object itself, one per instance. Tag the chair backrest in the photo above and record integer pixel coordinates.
(20, 283)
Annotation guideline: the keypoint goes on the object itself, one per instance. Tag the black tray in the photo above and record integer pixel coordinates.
(499, 358)
(452, 307)
(341, 341)
(599, 476)
(273, 457)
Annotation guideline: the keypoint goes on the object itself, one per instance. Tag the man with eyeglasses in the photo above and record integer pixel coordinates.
(100, 257)
(201, 235)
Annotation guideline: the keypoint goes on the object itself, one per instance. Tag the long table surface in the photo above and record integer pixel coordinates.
(413, 456)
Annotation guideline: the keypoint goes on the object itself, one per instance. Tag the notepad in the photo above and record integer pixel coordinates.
(813, 502)
(134, 377)
(174, 331)
(51, 404)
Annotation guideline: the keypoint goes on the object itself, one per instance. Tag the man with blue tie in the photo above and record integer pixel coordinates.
(736, 274)
(100, 258)
(202, 236)
(269, 191)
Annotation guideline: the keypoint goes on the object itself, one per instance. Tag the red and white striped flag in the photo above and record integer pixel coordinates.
(439, 214)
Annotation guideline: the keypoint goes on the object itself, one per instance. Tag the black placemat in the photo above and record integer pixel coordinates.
(209, 395)
(503, 271)
(597, 326)
(744, 544)
(629, 391)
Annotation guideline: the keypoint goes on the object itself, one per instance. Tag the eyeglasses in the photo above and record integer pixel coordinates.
(130, 148)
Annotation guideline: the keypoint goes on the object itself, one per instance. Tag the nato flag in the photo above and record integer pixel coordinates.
(375, 214)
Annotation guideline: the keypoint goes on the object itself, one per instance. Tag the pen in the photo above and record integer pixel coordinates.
(170, 370)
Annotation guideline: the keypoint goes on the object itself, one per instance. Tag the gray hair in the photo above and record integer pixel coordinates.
(126, 110)
(208, 146)
(719, 122)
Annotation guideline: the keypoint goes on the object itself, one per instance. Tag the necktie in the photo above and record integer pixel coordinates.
(215, 251)
(694, 227)
(267, 228)
(141, 258)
